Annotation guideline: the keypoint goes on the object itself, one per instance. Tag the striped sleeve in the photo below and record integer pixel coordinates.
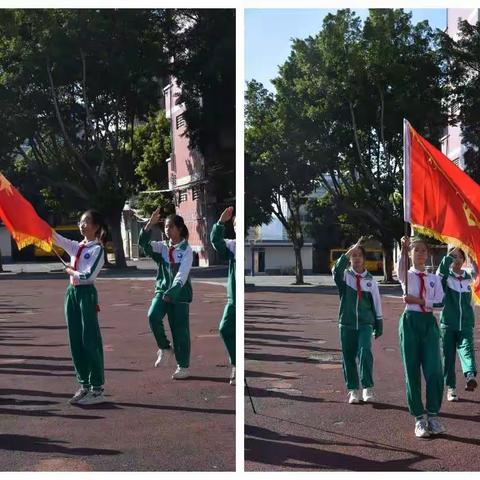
(93, 267)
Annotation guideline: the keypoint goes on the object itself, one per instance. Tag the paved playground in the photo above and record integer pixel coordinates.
(150, 422)
(303, 422)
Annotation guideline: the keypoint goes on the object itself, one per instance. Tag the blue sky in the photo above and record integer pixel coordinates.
(268, 34)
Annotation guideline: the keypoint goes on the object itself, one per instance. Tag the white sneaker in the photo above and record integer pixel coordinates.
(435, 427)
(353, 396)
(163, 356)
(180, 373)
(452, 395)
(92, 397)
(79, 394)
(368, 394)
(232, 376)
(421, 429)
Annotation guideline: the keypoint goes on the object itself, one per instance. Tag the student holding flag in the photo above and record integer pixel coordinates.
(173, 290)
(226, 248)
(420, 337)
(81, 302)
(360, 317)
(81, 306)
(457, 321)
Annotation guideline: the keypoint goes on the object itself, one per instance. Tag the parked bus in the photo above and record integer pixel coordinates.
(373, 262)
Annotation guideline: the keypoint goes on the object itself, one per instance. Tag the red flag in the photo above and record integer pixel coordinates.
(21, 220)
(440, 200)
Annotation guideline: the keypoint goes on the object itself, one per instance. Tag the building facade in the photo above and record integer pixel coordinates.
(451, 142)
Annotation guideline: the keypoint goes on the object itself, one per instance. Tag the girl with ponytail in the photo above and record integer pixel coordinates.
(81, 306)
(173, 290)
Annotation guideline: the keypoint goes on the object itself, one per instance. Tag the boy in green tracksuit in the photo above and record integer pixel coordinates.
(226, 248)
(457, 321)
(360, 317)
(173, 290)
(420, 337)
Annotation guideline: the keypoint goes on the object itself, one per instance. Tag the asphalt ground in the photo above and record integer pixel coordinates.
(303, 421)
(149, 423)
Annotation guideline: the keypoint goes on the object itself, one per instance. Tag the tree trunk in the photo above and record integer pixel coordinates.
(387, 248)
(298, 265)
(114, 225)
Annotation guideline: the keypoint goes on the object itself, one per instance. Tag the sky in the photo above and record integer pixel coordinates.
(268, 34)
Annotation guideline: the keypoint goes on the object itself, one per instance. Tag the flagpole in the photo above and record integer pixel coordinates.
(59, 257)
(406, 192)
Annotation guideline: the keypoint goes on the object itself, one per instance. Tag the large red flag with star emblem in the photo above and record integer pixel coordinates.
(440, 200)
(21, 220)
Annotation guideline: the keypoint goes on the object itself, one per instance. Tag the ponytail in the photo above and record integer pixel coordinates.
(178, 221)
(98, 220)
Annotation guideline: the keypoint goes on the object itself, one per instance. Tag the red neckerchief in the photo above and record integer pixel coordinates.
(359, 287)
(422, 288)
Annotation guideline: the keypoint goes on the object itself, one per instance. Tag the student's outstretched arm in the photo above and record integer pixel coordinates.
(443, 269)
(217, 235)
(151, 248)
(70, 246)
(402, 263)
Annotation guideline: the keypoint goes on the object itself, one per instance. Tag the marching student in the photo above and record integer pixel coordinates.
(360, 317)
(81, 306)
(457, 321)
(173, 290)
(226, 249)
(420, 337)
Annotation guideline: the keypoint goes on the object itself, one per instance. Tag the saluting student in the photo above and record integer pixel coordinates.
(420, 337)
(226, 248)
(173, 290)
(360, 318)
(81, 306)
(456, 322)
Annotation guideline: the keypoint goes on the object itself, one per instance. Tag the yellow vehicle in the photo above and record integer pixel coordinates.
(373, 262)
(68, 231)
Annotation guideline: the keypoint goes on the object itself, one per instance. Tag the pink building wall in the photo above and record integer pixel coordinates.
(186, 173)
(452, 140)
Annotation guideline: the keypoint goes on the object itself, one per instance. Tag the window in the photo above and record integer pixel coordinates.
(196, 191)
(180, 121)
(182, 196)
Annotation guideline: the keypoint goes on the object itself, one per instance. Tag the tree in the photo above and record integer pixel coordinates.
(464, 75)
(73, 85)
(151, 148)
(347, 91)
(278, 176)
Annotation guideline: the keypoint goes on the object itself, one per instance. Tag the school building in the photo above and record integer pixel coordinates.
(189, 182)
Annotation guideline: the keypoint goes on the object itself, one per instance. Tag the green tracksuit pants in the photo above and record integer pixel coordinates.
(357, 344)
(84, 334)
(178, 319)
(460, 341)
(227, 330)
(420, 349)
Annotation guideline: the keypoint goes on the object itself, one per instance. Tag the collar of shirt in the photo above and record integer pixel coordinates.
(414, 270)
(363, 274)
(88, 244)
(170, 244)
